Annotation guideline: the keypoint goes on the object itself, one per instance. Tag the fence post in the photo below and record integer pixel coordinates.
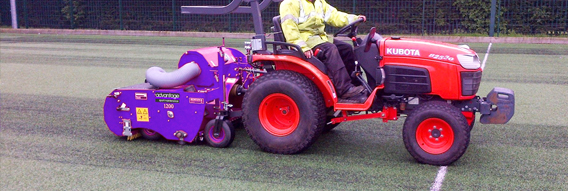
(566, 17)
(423, 13)
(174, 14)
(14, 14)
(492, 19)
(61, 19)
(120, 14)
(499, 18)
(354, 2)
(230, 20)
(26, 14)
(72, 16)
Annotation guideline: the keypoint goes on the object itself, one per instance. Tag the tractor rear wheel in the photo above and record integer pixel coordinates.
(283, 112)
(436, 133)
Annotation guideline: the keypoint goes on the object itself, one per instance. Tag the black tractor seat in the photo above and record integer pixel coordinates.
(284, 49)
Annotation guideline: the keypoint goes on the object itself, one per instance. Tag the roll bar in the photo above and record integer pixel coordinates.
(234, 7)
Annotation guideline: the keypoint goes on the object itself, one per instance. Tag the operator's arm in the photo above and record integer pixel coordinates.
(336, 18)
(289, 13)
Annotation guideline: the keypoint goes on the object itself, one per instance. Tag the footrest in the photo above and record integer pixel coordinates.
(347, 101)
(357, 106)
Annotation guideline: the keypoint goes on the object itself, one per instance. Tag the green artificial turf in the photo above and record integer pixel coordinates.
(53, 135)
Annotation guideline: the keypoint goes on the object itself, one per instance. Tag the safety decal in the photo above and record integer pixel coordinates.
(142, 114)
(140, 96)
(196, 100)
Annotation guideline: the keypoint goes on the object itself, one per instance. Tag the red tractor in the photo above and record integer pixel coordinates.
(432, 84)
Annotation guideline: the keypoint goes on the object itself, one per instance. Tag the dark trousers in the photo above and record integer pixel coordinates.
(338, 58)
(348, 56)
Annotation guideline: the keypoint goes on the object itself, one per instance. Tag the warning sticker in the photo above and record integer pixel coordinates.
(142, 114)
(196, 100)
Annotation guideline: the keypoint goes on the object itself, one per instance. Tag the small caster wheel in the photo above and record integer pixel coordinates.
(150, 134)
(221, 140)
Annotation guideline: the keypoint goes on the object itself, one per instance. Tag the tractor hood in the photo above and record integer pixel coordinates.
(432, 50)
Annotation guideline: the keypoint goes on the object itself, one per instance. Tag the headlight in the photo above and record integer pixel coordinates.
(464, 46)
(469, 61)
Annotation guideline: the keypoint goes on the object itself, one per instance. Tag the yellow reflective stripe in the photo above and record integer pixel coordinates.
(328, 13)
(313, 14)
(351, 18)
(289, 17)
(302, 17)
(302, 43)
(317, 4)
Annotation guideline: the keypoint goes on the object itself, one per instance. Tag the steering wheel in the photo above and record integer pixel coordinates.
(369, 40)
(352, 26)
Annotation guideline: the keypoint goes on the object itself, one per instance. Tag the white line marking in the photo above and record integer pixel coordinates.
(439, 179)
(486, 55)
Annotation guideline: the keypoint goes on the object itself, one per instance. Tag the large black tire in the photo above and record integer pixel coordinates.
(150, 134)
(436, 133)
(283, 112)
(225, 138)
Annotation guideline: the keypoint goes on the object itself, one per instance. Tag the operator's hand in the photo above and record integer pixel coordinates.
(362, 17)
(309, 54)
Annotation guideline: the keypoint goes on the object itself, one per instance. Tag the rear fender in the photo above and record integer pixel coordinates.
(322, 81)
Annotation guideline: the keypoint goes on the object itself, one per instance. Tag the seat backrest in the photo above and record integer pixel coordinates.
(277, 29)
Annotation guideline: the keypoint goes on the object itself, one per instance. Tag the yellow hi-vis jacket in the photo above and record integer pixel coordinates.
(303, 22)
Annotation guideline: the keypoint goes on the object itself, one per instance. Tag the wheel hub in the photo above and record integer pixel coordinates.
(284, 110)
(217, 137)
(434, 136)
(436, 133)
(279, 114)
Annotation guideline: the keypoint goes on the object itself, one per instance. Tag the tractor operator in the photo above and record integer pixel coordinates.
(303, 23)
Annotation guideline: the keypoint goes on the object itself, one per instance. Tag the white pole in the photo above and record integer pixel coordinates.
(14, 14)
(486, 55)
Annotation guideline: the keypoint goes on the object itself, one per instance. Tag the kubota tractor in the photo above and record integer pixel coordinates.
(291, 101)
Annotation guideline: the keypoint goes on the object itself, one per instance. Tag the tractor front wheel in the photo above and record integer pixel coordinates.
(436, 133)
(283, 112)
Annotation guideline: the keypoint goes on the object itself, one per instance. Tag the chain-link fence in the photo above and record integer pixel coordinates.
(426, 17)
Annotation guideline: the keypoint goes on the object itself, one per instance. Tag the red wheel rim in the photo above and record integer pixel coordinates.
(279, 114)
(149, 132)
(435, 136)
